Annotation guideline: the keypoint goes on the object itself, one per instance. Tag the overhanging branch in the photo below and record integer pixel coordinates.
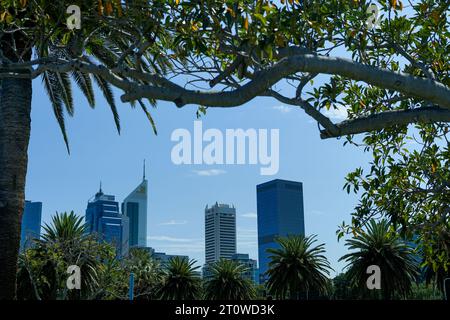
(132, 81)
(421, 88)
(388, 119)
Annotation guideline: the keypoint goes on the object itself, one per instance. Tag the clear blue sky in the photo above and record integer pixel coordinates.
(179, 194)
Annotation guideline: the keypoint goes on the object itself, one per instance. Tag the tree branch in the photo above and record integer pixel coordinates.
(421, 88)
(388, 119)
(161, 88)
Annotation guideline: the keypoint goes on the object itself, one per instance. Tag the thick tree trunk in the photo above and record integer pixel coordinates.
(15, 108)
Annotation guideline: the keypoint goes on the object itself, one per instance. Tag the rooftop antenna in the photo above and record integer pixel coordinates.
(100, 191)
(143, 176)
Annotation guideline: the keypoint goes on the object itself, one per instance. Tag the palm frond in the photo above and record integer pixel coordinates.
(227, 282)
(51, 84)
(149, 116)
(65, 88)
(105, 87)
(84, 82)
(379, 245)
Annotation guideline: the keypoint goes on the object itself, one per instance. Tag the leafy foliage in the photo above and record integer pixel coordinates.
(297, 267)
(380, 245)
(64, 243)
(181, 281)
(147, 272)
(227, 282)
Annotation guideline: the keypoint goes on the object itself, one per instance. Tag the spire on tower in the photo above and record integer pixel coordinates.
(143, 176)
(100, 191)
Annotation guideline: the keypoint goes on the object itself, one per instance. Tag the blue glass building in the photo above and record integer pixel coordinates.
(251, 272)
(31, 224)
(104, 219)
(280, 213)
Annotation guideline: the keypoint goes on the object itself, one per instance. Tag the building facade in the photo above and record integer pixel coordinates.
(135, 208)
(220, 232)
(31, 224)
(252, 270)
(164, 258)
(280, 213)
(104, 219)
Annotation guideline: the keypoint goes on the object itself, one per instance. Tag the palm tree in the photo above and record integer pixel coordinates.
(226, 282)
(297, 267)
(63, 243)
(147, 272)
(36, 32)
(64, 227)
(181, 280)
(381, 246)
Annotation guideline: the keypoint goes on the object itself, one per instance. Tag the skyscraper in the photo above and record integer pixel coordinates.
(280, 213)
(220, 232)
(104, 219)
(31, 224)
(135, 208)
(250, 265)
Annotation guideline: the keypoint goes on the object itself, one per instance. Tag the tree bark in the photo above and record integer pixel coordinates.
(15, 123)
(15, 109)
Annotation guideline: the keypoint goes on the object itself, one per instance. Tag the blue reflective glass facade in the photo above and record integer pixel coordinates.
(103, 218)
(31, 224)
(132, 212)
(280, 213)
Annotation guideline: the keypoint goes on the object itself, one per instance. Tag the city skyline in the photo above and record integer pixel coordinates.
(114, 226)
(176, 208)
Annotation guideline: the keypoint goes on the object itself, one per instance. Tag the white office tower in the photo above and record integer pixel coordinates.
(220, 232)
(135, 208)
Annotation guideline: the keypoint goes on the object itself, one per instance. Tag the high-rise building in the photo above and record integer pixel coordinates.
(135, 208)
(280, 213)
(162, 257)
(104, 219)
(165, 258)
(220, 232)
(31, 224)
(250, 264)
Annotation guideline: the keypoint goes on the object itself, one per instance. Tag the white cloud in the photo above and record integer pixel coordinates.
(336, 113)
(250, 215)
(182, 248)
(169, 239)
(210, 172)
(282, 109)
(173, 223)
(246, 233)
(248, 244)
(174, 245)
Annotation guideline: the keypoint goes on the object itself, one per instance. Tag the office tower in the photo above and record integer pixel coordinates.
(164, 258)
(135, 208)
(31, 224)
(220, 232)
(104, 219)
(250, 264)
(280, 213)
